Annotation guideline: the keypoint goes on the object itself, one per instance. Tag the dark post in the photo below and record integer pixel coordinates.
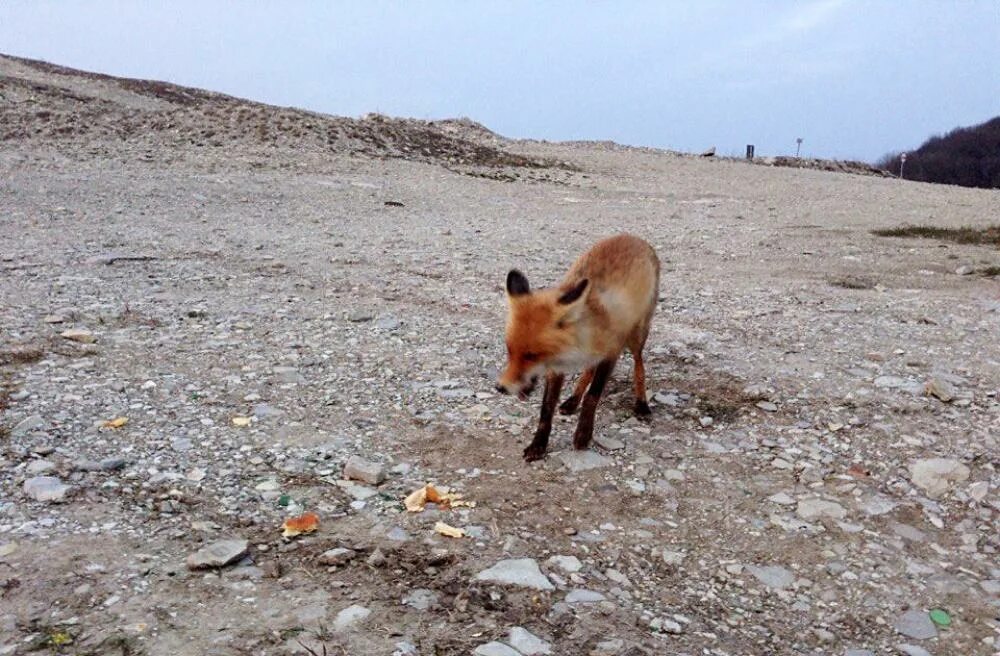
(749, 151)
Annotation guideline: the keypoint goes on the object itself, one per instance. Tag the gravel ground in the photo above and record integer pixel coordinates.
(264, 294)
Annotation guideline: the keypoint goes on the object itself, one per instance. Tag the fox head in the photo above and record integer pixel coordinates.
(542, 332)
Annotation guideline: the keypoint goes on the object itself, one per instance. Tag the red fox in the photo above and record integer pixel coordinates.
(604, 304)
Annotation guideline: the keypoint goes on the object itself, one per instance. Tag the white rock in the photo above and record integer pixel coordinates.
(568, 564)
(581, 596)
(350, 616)
(772, 576)
(46, 488)
(522, 572)
(359, 469)
(936, 475)
(527, 643)
(809, 509)
(495, 649)
(218, 554)
(578, 461)
(979, 490)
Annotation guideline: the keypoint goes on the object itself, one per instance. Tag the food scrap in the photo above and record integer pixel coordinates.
(117, 422)
(294, 526)
(449, 531)
(444, 498)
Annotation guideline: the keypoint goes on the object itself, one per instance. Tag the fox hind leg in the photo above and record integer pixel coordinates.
(585, 426)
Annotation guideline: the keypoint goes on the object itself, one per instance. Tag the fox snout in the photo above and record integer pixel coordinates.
(522, 389)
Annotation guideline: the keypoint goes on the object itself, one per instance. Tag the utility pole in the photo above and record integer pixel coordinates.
(798, 145)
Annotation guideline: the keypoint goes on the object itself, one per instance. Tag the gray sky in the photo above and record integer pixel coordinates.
(854, 78)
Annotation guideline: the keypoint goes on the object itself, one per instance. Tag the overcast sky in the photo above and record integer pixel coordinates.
(853, 78)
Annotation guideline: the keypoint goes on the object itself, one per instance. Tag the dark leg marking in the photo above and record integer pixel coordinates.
(585, 427)
(536, 450)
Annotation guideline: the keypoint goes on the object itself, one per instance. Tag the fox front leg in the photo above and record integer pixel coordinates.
(536, 450)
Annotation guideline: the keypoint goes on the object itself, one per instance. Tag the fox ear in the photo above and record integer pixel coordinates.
(517, 284)
(574, 293)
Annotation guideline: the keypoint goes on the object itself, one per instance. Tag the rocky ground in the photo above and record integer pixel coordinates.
(217, 315)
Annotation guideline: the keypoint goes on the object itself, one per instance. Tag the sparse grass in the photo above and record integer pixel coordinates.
(988, 236)
(853, 282)
(25, 354)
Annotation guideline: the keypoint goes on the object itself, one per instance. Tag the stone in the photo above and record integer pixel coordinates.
(337, 556)
(782, 499)
(912, 650)
(495, 649)
(608, 443)
(350, 616)
(940, 389)
(809, 509)
(858, 652)
(581, 596)
(673, 558)
(664, 625)
(78, 335)
(773, 576)
(979, 490)
(527, 643)
(288, 375)
(935, 476)
(578, 461)
(359, 469)
(218, 554)
(36, 467)
(421, 599)
(111, 464)
(27, 425)
(568, 564)
(360, 316)
(522, 572)
(915, 624)
(964, 270)
(376, 559)
(767, 406)
(46, 488)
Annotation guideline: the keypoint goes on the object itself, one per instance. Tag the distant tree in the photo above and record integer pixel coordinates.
(969, 157)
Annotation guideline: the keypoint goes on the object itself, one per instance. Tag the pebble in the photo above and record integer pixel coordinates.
(421, 599)
(608, 443)
(337, 556)
(218, 554)
(495, 649)
(767, 406)
(935, 476)
(912, 650)
(27, 425)
(858, 652)
(350, 616)
(522, 572)
(78, 335)
(46, 488)
(527, 643)
(36, 467)
(568, 564)
(941, 389)
(581, 596)
(359, 469)
(578, 461)
(915, 624)
(810, 509)
(773, 576)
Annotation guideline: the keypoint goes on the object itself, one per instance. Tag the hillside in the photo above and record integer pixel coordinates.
(969, 157)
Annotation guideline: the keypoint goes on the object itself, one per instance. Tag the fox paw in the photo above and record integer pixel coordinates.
(642, 409)
(570, 405)
(534, 452)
